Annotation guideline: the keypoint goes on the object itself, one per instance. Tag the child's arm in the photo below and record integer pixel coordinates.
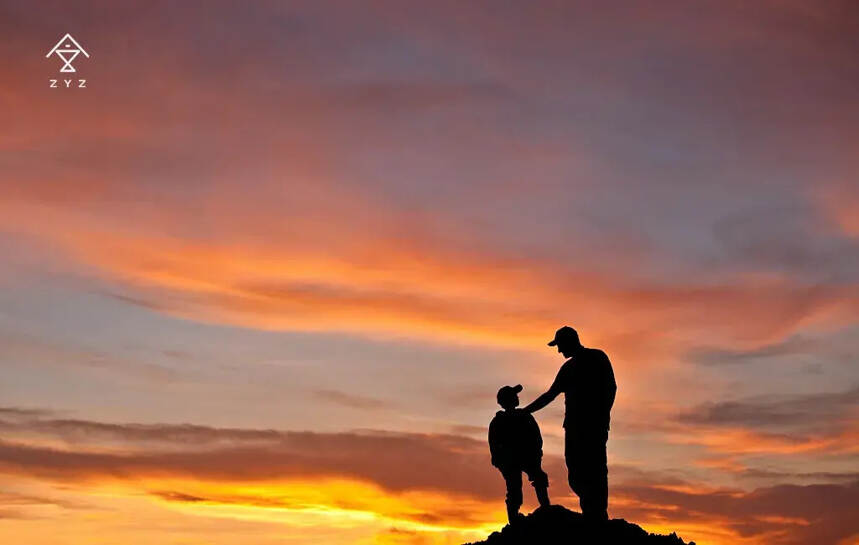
(494, 442)
(536, 436)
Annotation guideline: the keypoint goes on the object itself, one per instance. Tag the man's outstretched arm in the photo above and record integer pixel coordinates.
(543, 400)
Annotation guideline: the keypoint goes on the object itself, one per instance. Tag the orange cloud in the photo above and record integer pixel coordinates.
(743, 441)
(403, 284)
(840, 205)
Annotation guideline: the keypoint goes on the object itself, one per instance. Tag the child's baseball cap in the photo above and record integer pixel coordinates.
(507, 392)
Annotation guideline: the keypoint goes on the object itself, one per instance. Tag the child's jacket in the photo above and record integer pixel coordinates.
(514, 439)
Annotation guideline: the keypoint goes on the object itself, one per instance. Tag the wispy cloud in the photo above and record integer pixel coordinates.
(351, 401)
(799, 413)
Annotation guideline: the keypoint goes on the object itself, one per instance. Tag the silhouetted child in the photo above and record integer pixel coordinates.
(516, 446)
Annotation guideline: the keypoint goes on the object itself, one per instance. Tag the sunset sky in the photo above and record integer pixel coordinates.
(261, 279)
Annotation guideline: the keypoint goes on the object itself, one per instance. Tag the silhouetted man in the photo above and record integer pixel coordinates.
(587, 381)
(516, 446)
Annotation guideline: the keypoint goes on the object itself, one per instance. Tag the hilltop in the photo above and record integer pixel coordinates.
(558, 525)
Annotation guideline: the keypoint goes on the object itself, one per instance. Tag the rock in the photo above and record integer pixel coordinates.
(558, 525)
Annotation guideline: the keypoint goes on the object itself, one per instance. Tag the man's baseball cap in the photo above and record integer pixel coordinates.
(566, 333)
(506, 392)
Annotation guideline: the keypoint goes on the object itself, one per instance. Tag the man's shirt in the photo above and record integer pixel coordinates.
(587, 381)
